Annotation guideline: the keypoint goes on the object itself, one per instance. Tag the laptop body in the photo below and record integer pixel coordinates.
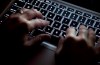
(67, 14)
(58, 11)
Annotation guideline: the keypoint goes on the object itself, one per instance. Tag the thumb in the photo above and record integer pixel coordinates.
(60, 45)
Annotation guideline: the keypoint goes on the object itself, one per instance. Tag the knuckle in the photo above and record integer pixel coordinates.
(14, 17)
(29, 12)
(18, 18)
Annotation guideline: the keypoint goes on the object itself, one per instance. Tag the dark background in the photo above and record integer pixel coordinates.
(90, 4)
(3, 4)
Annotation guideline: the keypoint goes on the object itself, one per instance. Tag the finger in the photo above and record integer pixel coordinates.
(37, 23)
(38, 13)
(99, 41)
(91, 36)
(60, 45)
(71, 32)
(31, 13)
(38, 39)
(82, 32)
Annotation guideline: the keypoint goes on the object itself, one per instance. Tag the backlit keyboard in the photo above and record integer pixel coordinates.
(61, 16)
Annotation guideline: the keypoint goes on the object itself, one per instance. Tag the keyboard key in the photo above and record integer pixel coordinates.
(41, 28)
(24, 0)
(96, 18)
(2, 19)
(14, 7)
(82, 19)
(29, 1)
(37, 3)
(44, 12)
(36, 32)
(64, 34)
(56, 32)
(9, 12)
(28, 6)
(13, 10)
(35, 7)
(51, 8)
(54, 4)
(64, 27)
(98, 32)
(74, 24)
(43, 5)
(50, 15)
(66, 21)
(54, 40)
(48, 29)
(7, 15)
(42, 0)
(50, 20)
(58, 11)
(87, 15)
(78, 12)
(34, 1)
(73, 16)
(90, 22)
(47, 1)
(97, 25)
(20, 4)
(58, 18)
(62, 7)
(70, 9)
(66, 13)
(57, 25)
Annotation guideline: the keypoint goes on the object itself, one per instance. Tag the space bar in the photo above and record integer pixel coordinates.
(49, 45)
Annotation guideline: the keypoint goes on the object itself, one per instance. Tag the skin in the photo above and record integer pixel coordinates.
(73, 50)
(19, 24)
(18, 45)
(78, 50)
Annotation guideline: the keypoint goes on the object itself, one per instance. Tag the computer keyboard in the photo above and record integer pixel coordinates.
(61, 16)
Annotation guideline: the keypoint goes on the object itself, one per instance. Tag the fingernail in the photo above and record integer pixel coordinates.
(82, 25)
(90, 29)
(72, 27)
(35, 9)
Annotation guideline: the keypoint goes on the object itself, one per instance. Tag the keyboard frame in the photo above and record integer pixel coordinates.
(63, 3)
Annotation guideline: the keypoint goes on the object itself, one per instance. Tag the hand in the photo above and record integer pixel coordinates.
(18, 25)
(77, 50)
(15, 42)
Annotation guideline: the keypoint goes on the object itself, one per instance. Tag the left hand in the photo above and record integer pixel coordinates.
(17, 26)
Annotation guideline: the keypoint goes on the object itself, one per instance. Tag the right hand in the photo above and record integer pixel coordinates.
(77, 50)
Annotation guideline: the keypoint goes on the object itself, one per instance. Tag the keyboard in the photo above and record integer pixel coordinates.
(61, 16)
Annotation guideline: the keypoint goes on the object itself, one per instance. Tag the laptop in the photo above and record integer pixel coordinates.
(61, 14)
